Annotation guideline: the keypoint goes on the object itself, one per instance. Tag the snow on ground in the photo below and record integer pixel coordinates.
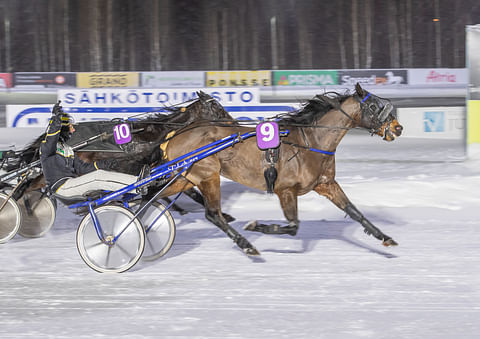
(330, 281)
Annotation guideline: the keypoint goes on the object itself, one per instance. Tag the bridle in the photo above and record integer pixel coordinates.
(376, 112)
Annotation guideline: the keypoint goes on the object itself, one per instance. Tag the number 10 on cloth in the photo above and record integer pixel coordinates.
(122, 134)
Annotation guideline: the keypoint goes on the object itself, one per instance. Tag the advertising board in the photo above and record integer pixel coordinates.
(44, 79)
(373, 77)
(153, 97)
(38, 115)
(473, 95)
(260, 111)
(5, 80)
(305, 78)
(238, 78)
(432, 122)
(167, 79)
(437, 76)
(107, 79)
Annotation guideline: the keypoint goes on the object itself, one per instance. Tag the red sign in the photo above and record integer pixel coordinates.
(5, 80)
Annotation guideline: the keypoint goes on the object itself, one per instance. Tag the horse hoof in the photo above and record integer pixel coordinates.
(293, 231)
(250, 226)
(389, 242)
(251, 251)
(228, 217)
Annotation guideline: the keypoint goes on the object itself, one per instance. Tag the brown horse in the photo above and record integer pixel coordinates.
(305, 161)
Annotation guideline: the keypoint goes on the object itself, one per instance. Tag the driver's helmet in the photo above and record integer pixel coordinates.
(66, 119)
(65, 133)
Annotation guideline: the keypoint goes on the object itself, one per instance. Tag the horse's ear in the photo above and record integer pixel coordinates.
(359, 90)
(202, 95)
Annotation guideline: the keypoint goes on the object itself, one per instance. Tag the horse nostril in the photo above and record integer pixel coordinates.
(398, 130)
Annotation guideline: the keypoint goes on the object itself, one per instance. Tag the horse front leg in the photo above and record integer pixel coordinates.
(288, 201)
(335, 194)
(210, 188)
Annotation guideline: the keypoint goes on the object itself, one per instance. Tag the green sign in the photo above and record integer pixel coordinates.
(305, 78)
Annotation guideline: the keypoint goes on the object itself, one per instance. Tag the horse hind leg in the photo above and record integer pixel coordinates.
(288, 201)
(211, 192)
(175, 207)
(255, 226)
(196, 196)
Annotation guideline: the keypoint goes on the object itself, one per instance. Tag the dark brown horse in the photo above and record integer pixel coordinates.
(151, 132)
(302, 165)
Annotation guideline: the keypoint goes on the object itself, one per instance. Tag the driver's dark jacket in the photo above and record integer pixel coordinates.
(58, 160)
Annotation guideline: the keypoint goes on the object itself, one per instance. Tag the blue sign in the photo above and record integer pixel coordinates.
(434, 121)
(116, 97)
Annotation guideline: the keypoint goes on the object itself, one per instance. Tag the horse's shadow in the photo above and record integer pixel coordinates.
(313, 231)
(310, 232)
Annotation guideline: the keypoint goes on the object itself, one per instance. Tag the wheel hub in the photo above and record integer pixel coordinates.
(109, 239)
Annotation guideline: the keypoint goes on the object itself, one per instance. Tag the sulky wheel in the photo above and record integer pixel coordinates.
(111, 255)
(161, 234)
(10, 218)
(38, 214)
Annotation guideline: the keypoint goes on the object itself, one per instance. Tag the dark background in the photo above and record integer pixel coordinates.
(144, 35)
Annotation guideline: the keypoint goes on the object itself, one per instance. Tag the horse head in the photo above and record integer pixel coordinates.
(214, 109)
(377, 114)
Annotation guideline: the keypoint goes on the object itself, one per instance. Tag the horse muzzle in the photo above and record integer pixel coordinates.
(390, 130)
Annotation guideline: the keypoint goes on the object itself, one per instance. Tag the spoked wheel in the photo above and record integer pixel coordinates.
(161, 234)
(38, 214)
(111, 255)
(10, 218)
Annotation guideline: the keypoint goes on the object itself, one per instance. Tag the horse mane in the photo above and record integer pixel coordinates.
(176, 115)
(31, 149)
(313, 109)
(171, 112)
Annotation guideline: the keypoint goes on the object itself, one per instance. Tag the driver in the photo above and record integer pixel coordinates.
(66, 175)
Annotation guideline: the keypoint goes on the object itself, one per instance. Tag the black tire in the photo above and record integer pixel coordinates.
(10, 218)
(160, 235)
(39, 218)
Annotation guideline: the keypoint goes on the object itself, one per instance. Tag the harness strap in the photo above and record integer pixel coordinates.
(308, 148)
(321, 151)
(163, 146)
(366, 97)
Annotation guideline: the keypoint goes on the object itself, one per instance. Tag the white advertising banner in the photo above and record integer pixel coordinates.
(153, 97)
(172, 79)
(38, 116)
(432, 122)
(438, 76)
(260, 111)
